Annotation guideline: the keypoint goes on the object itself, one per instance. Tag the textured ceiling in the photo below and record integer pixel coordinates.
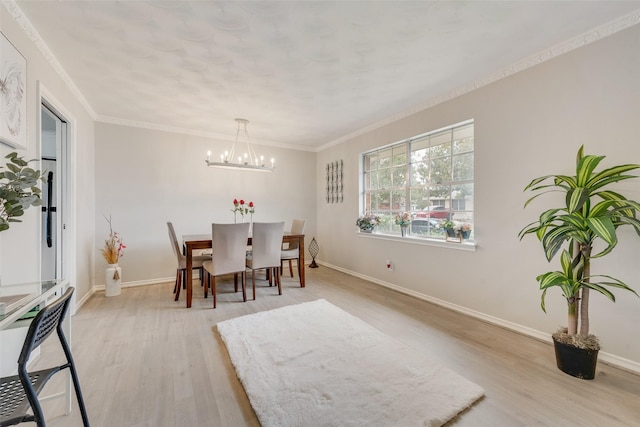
(305, 73)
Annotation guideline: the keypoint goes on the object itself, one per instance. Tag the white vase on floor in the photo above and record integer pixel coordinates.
(112, 280)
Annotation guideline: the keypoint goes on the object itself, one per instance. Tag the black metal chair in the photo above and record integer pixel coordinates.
(19, 393)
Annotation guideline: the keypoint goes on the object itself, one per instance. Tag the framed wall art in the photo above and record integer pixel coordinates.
(13, 96)
(334, 182)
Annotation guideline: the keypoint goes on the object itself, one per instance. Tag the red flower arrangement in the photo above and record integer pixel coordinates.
(240, 206)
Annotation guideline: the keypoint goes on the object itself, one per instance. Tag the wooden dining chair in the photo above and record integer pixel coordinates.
(292, 251)
(229, 244)
(19, 394)
(265, 252)
(181, 268)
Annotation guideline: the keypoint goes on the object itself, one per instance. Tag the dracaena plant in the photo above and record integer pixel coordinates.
(592, 213)
(18, 189)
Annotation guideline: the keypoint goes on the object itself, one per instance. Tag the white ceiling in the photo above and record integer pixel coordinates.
(305, 73)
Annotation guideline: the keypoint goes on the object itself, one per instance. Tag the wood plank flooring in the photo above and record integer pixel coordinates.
(145, 360)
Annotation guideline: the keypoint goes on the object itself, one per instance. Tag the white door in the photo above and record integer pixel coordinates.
(53, 145)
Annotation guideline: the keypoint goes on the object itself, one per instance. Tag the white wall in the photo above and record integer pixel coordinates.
(145, 178)
(527, 125)
(20, 245)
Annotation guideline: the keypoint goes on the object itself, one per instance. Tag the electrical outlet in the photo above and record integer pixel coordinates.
(389, 265)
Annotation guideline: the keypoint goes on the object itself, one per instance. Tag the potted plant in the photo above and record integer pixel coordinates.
(403, 220)
(368, 222)
(590, 216)
(112, 252)
(448, 227)
(18, 189)
(463, 231)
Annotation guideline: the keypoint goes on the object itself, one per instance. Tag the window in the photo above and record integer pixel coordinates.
(430, 176)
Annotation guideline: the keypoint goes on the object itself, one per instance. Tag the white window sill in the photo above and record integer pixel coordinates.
(463, 246)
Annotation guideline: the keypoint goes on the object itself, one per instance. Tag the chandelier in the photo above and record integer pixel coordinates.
(248, 160)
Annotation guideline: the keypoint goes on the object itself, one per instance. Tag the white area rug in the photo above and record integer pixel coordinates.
(313, 364)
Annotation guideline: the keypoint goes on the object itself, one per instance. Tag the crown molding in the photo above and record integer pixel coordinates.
(182, 131)
(17, 15)
(538, 58)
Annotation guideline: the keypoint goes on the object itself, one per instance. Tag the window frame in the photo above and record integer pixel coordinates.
(390, 182)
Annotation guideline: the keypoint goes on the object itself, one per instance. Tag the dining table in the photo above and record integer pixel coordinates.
(192, 242)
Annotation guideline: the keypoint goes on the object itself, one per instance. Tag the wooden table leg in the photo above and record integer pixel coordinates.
(189, 273)
(301, 260)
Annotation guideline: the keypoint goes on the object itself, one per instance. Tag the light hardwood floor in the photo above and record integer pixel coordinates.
(145, 360)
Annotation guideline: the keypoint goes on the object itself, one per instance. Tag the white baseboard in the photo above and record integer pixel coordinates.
(138, 283)
(608, 358)
(85, 298)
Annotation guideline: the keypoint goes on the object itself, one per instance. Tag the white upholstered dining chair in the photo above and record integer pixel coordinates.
(182, 262)
(229, 244)
(265, 252)
(292, 251)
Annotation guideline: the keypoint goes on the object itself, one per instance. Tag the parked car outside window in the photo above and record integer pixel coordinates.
(439, 212)
(424, 225)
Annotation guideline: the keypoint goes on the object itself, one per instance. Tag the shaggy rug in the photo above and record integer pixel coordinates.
(313, 364)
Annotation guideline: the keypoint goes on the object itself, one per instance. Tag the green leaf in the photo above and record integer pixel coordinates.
(13, 168)
(536, 181)
(542, 304)
(554, 239)
(603, 227)
(585, 168)
(602, 290)
(634, 222)
(613, 174)
(602, 208)
(566, 261)
(18, 161)
(614, 283)
(576, 198)
(565, 181)
(551, 279)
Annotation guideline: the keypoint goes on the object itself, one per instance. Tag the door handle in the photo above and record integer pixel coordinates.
(49, 208)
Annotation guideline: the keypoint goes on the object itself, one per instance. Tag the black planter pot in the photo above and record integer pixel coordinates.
(577, 362)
